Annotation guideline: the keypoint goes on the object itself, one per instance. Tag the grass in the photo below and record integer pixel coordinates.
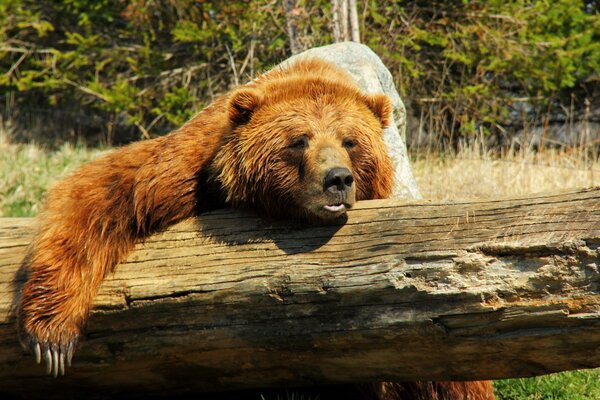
(26, 171)
(476, 173)
(571, 385)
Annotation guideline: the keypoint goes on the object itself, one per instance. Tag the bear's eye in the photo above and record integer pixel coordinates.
(299, 143)
(349, 143)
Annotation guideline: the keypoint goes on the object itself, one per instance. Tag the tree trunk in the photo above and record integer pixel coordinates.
(400, 291)
(344, 20)
(335, 21)
(354, 28)
(292, 27)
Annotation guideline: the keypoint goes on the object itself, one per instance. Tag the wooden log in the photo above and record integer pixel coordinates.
(400, 291)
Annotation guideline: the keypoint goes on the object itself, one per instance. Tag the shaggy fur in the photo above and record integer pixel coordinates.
(267, 146)
(475, 390)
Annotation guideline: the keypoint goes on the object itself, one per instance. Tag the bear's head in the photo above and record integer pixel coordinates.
(305, 146)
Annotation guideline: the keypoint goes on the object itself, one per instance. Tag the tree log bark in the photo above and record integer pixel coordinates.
(400, 291)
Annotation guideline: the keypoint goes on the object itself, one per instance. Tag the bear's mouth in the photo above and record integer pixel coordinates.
(336, 208)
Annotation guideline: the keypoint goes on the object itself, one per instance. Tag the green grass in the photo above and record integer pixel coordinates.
(572, 385)
(26, 171)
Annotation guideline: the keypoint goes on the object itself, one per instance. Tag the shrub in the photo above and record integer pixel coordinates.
(124, 69)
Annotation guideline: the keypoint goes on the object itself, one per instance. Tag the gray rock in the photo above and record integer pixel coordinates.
(373, 77)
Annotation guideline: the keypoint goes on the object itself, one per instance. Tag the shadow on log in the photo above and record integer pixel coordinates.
(400, 291)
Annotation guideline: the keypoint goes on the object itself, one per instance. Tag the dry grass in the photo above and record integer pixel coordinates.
(475, 173)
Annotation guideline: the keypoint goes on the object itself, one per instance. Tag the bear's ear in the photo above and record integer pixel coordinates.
(242, 103)
(381, 106)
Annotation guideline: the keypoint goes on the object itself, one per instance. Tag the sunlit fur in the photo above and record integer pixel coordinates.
(232, 152)
(476, 390)
(325, 109)
(235, 152)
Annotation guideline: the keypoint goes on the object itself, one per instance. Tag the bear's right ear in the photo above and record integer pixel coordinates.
(381, 106)
(242, 104)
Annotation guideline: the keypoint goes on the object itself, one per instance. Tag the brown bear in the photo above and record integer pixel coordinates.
(298, 142)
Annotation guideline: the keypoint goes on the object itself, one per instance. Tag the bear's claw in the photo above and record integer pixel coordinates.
(55, 356)
(51, 346)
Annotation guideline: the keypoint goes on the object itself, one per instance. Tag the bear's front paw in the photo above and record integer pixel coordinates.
(54, 345)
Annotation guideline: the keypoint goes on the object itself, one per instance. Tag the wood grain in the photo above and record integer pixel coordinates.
(399, 291)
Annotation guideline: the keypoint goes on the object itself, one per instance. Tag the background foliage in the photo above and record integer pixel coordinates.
(117, 70)
(485, 67)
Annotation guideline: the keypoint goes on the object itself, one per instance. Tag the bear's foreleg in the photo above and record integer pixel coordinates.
(91, 221)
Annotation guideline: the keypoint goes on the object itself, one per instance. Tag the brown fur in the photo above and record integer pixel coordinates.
(473, 390)
(265, 146)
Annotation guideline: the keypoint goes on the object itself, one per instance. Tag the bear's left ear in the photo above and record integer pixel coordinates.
(381, 106)
(242, 104)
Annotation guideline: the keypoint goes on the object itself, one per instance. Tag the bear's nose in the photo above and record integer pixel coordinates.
(338, 179)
